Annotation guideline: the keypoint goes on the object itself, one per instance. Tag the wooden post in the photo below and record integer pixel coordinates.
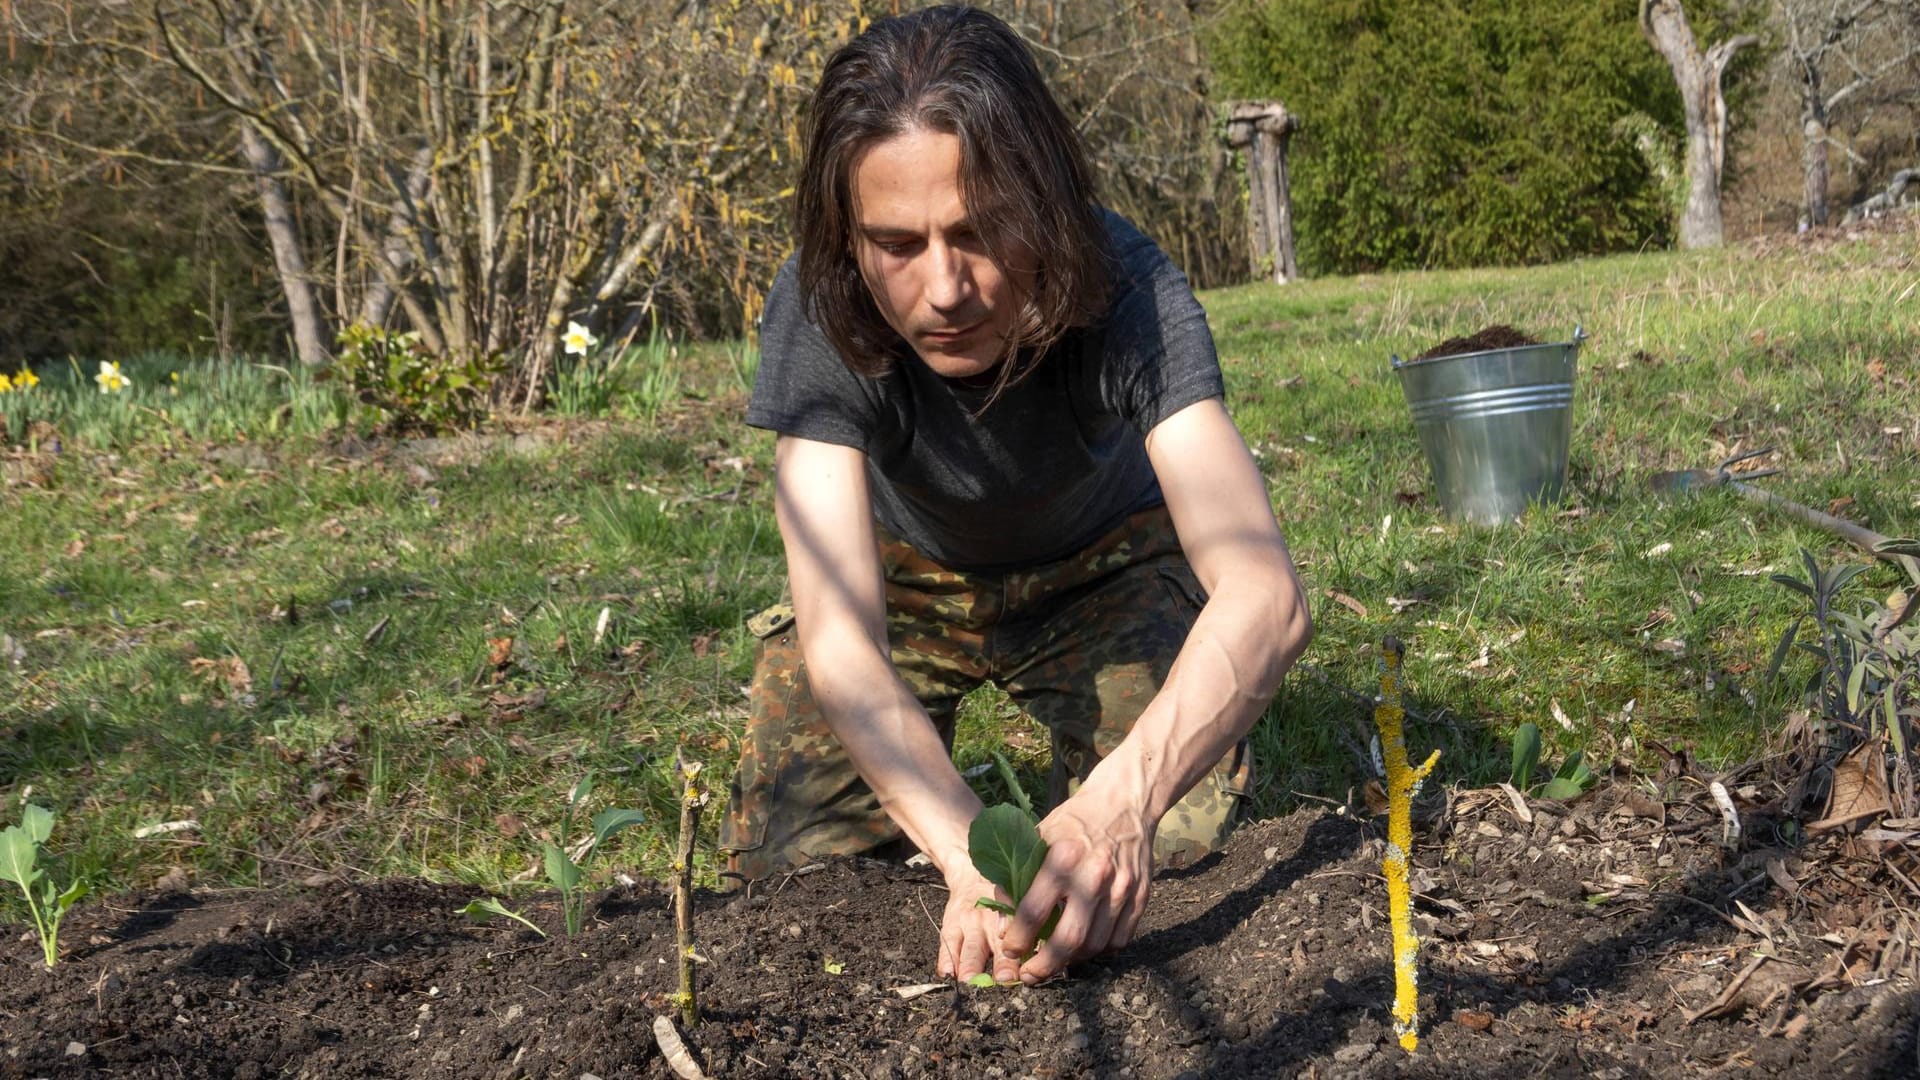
(1262, 128)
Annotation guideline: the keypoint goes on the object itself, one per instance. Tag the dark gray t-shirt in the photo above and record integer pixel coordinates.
(1058, 460)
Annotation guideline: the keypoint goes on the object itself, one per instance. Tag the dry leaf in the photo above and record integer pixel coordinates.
(228, 669)
(1859, 789)
(703, 644)
(1347, 602)
(499, 651)
(509, 825)
(1376, 797)
(1473, 1019)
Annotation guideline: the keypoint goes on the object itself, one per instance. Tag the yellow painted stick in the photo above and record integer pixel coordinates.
(1403, 783)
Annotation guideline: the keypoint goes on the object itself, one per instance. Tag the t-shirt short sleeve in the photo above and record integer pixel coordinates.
(802, 388)
(1160, 356)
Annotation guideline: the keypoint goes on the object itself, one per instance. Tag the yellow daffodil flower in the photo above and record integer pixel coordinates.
(110, 379)
(25, 379)
(173, 380)
(578, 339)
(6, 384)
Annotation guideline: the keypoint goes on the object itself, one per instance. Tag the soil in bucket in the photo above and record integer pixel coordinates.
(1497, 336)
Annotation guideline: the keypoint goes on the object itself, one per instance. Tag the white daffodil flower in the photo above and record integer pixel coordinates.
(110, 379)
(578, 340)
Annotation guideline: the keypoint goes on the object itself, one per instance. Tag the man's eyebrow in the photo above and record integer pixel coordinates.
(878, 231)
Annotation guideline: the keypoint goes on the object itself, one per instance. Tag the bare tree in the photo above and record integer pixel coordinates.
(1698, 76)
(1839, 52)
(1133, 76)
(486, 171)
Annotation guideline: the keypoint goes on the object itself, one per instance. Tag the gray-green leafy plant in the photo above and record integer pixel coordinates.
(1868, 679)
(19, 851)
(1572, 780)
(569, 876)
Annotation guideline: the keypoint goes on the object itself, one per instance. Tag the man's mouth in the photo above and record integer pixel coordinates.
(948, 337)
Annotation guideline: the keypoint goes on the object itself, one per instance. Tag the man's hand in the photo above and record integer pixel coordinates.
(1100, 865)
(970, 934)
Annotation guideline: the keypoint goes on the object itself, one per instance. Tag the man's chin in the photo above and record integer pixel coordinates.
(968, 365)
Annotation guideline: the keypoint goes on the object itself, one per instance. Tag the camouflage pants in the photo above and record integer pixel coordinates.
(1082, 645)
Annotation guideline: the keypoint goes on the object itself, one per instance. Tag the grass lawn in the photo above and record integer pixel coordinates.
(335, 657)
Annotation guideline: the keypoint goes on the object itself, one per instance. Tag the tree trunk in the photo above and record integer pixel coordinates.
(290, 262)
(1697, 75)
(1813, 157)
(1261, 129)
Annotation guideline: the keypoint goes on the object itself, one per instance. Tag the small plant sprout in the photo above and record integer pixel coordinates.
(1004, 842)
(481, 909)
(1570, 781)
(563, 871)
(19, 850)
(693, 798)
(1403, 783)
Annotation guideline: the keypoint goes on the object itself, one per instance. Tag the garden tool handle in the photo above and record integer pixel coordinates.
(1864, 538)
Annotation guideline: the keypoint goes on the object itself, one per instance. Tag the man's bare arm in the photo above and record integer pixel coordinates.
(833, 565)
(1252, 628)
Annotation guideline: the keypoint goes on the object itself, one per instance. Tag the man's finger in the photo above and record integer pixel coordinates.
(1127, 913)
(949, 952)
(1036, 907)
(975, 953)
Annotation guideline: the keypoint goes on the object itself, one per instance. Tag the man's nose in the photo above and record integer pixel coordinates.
(949, 278)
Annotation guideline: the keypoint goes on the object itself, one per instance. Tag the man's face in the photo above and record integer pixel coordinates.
(923, 258)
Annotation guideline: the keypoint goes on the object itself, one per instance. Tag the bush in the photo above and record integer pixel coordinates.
(1443, 134)
(409, 387)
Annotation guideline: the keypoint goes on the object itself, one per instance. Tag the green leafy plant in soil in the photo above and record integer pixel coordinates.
(483, 909)
(19, 851)
(563, 871)
(1004, 842)
(1570, 781)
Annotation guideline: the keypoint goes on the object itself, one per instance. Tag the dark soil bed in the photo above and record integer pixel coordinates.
(1492, 337)
(1576, 945)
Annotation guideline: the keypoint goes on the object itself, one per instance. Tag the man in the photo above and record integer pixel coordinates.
(1003, 457)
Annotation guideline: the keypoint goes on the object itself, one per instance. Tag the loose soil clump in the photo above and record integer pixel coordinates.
(1598, 940)
(1498, 336)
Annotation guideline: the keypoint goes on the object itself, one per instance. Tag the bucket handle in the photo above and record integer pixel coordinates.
(1580, 336)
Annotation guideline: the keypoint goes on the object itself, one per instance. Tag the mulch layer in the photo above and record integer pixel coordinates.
(1616, 938)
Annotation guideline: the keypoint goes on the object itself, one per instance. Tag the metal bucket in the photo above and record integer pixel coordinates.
(1496, 425)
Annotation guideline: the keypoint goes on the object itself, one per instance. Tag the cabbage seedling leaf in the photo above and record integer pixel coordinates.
(1005, 844)
(38, 822)
(16, 857)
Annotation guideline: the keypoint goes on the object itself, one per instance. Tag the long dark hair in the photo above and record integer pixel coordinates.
(1023, 174)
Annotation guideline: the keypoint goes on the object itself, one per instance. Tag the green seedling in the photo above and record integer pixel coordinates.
(483, 908)
(563, 872)
(1005, 844)
(19, 850)
(1572, 780)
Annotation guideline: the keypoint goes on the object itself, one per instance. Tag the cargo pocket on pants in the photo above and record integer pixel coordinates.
(752, 793)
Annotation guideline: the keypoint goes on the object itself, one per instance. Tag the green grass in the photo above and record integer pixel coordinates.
(294, 646)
